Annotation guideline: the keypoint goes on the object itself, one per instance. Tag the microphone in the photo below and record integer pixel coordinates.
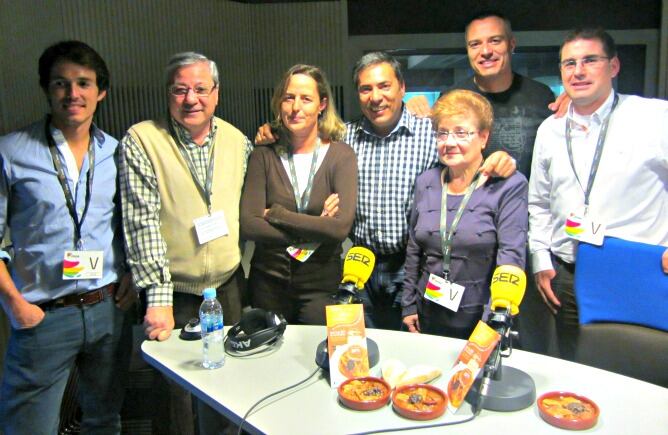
(507, 290)
(505, 388)
(508, 286)
(357, 268)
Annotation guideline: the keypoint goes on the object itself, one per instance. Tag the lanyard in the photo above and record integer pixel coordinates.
(302, 200)
(205, 189)
(597, 154)
(448, 235)
(69, 198)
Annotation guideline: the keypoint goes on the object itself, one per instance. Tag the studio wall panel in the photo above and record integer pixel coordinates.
(289, 33)
(252, 45)
(27, 28)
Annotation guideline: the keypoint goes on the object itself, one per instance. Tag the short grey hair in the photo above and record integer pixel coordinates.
(179, 60)
(375, 58)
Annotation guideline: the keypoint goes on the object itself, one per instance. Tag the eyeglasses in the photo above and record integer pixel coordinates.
(441, 136)
(182, 91)
(592, 61)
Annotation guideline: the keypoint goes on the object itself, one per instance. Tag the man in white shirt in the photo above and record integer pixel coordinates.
(605, 162)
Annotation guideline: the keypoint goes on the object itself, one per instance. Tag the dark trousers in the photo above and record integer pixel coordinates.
(179, 402)
(566, 320)
(535, 322)
(382, 293)
(302, 297)
(438, 320)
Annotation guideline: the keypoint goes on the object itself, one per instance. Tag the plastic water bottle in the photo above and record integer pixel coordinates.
(211, 322)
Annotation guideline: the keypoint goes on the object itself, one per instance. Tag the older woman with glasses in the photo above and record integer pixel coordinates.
(288, 206)
(462, 224)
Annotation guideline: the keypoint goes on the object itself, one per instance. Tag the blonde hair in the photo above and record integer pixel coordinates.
(330, 125)
(461, 102)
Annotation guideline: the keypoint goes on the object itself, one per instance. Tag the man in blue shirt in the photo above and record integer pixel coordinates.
(63, 289)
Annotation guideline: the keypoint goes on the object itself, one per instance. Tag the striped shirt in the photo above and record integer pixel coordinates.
(388, 167)
(147, 255)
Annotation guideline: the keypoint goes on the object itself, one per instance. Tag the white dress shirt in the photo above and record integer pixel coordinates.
(630, 191)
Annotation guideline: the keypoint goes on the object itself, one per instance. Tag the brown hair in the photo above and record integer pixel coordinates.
(461, 102)
(330, 125)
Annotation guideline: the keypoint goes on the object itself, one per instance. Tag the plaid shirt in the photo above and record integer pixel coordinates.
(388, 167)
(146, 248)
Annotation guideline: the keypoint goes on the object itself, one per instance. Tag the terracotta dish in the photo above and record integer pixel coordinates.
(419, 401)
(364, 394)
(568, 410)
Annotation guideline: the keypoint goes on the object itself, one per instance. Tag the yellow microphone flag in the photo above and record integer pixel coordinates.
(358, 266)
(507, 288)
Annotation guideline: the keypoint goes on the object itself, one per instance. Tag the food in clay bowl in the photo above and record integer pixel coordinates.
(568, 410)
(364, 394)
(419, 401)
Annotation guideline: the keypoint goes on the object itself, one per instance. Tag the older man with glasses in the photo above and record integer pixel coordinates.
(181, 180)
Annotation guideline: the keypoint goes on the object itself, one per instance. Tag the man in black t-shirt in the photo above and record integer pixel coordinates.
(520, 103)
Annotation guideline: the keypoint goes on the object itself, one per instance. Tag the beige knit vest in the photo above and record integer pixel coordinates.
(192, 266)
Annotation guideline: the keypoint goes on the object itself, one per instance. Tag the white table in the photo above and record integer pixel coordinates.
(628, 406)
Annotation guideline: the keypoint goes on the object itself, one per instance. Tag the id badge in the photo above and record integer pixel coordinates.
(82, 265)
(584, 229)
(211, 227)
(443, 292)
(303, 251)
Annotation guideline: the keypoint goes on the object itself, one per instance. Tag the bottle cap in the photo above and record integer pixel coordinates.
(209, 293)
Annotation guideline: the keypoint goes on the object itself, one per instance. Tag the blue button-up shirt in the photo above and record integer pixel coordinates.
(32, 205)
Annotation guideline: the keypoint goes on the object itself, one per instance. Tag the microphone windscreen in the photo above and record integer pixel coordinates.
(507, 288)
(358, 266)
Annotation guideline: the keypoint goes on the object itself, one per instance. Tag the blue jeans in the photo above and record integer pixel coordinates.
(382, 293)
(39, 361)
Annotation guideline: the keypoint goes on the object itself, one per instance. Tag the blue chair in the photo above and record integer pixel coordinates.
(622, 297)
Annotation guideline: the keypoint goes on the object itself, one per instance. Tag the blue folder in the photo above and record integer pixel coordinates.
(621, 282)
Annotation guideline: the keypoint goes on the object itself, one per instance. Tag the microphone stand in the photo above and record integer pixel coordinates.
(502, 388)
(346, 294)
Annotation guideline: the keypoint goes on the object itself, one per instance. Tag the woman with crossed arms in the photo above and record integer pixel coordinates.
(462, 224)
(287, 206)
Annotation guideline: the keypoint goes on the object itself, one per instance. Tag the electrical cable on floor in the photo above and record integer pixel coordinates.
(243, 420)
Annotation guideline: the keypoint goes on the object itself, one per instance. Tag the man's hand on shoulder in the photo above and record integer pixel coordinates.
(560, 105)
(265, 136)
(664, 261)
(499, 164)
(419, 106)
(159, 322)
